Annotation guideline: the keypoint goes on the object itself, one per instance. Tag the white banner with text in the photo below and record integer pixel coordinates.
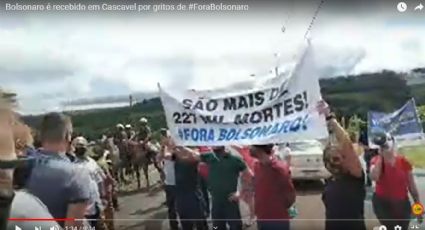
(281, 109)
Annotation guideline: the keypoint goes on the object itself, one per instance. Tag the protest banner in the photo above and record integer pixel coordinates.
(281, 109)
(404, 124)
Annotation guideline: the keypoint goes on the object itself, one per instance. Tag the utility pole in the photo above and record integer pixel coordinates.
(131, 100)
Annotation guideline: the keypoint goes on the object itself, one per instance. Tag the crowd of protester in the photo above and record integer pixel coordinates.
(265, 183)
(62, 179)
(58, 180)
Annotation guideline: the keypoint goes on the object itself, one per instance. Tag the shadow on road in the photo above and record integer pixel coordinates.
(141, 212)
(155, 188)
(306, 188)
(154, 222)
(132, 192)
(153, 191)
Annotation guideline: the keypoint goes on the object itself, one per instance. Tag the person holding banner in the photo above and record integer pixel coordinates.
(392, 173)
(274, 190)
(189, 198)
(225, 197)
(345, 192)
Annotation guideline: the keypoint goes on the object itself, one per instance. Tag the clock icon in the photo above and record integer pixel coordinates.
(401, 6)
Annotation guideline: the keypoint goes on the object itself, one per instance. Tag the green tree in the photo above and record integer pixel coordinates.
(349, 95)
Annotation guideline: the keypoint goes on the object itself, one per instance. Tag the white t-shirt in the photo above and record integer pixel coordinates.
(170, 176)
(97, 176)
(26, 205)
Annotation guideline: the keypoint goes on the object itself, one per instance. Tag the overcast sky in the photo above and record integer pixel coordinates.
(50, 59)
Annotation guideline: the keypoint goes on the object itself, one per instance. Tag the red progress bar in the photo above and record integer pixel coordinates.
(41, 219)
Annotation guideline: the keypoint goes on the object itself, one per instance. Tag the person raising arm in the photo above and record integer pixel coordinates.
(347, 157)
(188, 196)
(225, 194)
(344, 193)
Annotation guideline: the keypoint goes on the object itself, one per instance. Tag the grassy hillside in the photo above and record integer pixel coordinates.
(348, 95)
(94, 123)
(358, 94)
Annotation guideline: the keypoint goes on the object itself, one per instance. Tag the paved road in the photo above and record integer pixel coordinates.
(145, 210)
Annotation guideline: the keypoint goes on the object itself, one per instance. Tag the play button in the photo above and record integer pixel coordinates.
(17, 228)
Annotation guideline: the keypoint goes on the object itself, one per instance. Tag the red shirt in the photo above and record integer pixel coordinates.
(203, 170)
(274, 191)
(394, 180)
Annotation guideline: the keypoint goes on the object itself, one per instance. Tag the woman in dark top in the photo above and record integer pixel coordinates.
(344, 193)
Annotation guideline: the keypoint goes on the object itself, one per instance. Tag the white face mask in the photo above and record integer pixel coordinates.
(390, 145)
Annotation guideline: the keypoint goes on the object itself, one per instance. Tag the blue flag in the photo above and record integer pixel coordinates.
(403, 123)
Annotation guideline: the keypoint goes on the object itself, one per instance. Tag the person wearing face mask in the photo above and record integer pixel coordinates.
(224, 170)
(95, 207)
(274, 192)
(189, 200)
(393, 176)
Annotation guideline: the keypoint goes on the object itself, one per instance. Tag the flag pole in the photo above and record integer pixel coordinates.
(316, 13)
